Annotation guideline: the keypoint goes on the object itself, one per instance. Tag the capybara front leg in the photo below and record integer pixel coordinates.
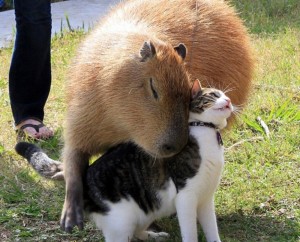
(75, 165)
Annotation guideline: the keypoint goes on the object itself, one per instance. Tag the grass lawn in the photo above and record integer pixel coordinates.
(259, 196)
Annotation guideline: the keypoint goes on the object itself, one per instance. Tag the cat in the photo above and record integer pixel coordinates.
(126, 189)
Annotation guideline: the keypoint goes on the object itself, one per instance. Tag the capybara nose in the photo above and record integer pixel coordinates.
(170, 149)
(172, 142)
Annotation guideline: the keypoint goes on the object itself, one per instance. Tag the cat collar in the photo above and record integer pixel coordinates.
(210, 125)
(200, 123)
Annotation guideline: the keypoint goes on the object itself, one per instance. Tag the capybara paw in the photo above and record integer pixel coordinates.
(72, 215)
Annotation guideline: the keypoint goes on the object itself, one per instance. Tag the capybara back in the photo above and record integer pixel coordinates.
(107, 90)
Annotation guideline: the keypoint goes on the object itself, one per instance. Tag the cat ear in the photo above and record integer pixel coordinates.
(196, 89)
(181, 50)
(147, 51)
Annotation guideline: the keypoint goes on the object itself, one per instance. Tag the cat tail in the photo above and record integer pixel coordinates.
(40, 162)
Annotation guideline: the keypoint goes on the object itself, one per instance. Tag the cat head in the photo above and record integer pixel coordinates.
(209, 105)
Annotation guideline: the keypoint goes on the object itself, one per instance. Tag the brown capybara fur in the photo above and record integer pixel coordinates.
(123, 89)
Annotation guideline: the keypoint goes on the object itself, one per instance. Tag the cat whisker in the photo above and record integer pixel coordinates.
(238, 107)
(236, 110)
(154, 160)
(227, 90)
(224, 88)
(206, 83)
(236, 113)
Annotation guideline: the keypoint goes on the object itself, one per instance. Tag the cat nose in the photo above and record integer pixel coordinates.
(228, 102)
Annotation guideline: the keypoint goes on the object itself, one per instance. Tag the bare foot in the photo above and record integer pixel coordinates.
(35, 129)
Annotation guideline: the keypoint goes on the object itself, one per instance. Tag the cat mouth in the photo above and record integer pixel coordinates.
(224, 108)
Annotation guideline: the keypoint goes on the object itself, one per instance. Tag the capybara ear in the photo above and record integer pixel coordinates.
(147, 51)
(181, 50)
(196, 89)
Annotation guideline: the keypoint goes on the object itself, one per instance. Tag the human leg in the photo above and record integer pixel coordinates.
(30, 71)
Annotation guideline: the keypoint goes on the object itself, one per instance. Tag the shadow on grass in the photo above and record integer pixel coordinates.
(26, 200)
(241, 228)
(30, 204)
(23, 193)
(237, 227)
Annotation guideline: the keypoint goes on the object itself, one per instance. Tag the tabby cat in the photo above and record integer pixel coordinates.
(127, 189)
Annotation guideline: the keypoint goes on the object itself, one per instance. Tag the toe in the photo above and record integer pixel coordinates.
(45, 133)
(31, 132)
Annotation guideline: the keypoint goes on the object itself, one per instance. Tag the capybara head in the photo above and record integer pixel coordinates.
(156, 100)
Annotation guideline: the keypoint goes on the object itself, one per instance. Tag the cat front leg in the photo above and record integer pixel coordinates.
(186, 208)
(208, 221)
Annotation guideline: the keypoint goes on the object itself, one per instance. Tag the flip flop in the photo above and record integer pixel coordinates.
(23, 134)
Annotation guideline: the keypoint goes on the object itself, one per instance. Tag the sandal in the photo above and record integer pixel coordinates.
(22, 133)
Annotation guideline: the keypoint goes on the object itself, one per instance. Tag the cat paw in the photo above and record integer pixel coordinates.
(158, 236)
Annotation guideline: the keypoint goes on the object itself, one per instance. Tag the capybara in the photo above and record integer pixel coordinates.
(131, 81)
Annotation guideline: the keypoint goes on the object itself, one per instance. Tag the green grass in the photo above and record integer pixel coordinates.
(259, 196)
(269, 16)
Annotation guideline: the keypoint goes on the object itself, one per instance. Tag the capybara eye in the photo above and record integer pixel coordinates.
(154, 92)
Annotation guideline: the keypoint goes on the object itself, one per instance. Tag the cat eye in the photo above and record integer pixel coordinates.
(215, 94)
(154, 92)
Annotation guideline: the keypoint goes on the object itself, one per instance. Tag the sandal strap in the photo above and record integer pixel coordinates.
(35, 126)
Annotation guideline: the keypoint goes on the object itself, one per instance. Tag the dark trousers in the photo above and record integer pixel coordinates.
(30, 70)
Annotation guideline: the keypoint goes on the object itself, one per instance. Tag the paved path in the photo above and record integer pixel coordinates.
(80, 13)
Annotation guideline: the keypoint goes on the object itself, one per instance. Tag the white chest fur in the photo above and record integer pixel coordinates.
(196, 200)
(212, 160)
